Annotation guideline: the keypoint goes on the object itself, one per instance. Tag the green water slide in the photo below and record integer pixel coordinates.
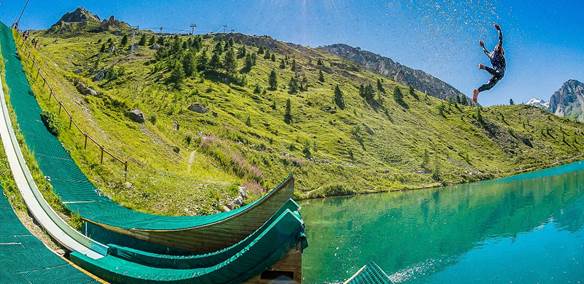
(257, 255)
(25, 259)
(202, 260)
(281, 233)
(109, 222)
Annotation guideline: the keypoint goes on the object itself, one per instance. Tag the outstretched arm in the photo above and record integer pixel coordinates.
(500, 34)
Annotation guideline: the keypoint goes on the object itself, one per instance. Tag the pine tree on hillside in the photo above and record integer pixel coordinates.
(413, 93)
(142, 41)
(399, 97)
(215, 62)
(320, 76)
(511, 102)
(267, 54)
(273, 80)
(124, 40)
(288, 112)
(202, 61)
(160, 40)
(218, 48)
(380, 86)
(152, 40)
(229, 62)
(273, 58)
(367, 92)
(282, 64)
(319, 62)
(261, 50)
(177, 75)
(102, 48)
(241, 52)
(248, 64)
(188, 63)
(293, 86)
(338, 98)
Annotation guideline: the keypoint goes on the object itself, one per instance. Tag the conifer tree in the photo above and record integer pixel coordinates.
(229, 62)
(273, 80)
(320, 76)
(188, 63)
(288, 112)
(293, 86)
(124, 40)
(142, 41)
(338, 98)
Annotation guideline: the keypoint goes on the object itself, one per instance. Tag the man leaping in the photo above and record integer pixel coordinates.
(497, 57)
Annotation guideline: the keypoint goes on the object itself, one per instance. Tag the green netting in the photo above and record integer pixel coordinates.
(269, 246)
(25, 259)
(76, 192)
(370, 274)
(197, 260)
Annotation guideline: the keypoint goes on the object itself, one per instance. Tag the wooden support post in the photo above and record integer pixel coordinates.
(85, 145)
(101, 159)
(125, 170)
(60, 105)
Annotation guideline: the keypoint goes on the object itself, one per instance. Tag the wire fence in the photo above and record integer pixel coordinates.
(25, 52)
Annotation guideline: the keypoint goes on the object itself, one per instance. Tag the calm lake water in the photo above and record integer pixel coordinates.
(523, 229)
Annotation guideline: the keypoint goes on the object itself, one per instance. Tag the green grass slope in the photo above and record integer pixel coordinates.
(363, 139)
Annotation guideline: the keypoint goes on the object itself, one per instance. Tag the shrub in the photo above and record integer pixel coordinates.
(50, 121)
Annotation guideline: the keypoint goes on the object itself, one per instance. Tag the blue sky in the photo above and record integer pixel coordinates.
(544, 40)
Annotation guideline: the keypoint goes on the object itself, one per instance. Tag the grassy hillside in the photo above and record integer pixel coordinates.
(379, 138)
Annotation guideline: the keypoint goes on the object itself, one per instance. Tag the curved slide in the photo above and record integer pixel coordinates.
(186, 233)
(281, 233)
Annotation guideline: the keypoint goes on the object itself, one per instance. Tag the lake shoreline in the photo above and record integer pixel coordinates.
(518, 172)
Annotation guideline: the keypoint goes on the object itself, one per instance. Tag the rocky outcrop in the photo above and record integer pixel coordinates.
(198, 108)
(82, 20)
(568, 101)
(112, 25)
(417, 79)
(85, 90)
(136, 115)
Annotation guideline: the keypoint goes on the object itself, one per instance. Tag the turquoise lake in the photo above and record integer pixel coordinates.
(527, 228)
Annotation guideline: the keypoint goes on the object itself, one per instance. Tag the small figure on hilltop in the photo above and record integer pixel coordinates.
(497, 57)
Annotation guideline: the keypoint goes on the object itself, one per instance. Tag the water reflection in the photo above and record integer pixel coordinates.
(454, 233)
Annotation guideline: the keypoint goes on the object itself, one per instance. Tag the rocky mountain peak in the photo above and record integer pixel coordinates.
(568, 101)
(79, 15)
(82, 20)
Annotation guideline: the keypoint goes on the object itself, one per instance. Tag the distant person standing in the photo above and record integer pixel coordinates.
(497, 57)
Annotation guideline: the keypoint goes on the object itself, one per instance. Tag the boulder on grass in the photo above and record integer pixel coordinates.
(136, 115)
(199, 108)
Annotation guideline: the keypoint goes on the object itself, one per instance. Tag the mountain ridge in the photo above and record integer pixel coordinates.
(386, 66)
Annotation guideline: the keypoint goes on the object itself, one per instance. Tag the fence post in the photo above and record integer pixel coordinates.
(60, 105)
(125, 170)
(85, 146)
(101, 159)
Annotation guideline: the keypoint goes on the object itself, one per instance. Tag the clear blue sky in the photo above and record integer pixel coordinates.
(544, 40)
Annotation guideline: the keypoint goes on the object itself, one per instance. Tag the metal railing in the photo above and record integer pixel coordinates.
(25, 48)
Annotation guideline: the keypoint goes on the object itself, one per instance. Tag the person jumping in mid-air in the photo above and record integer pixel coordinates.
(497, 58)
